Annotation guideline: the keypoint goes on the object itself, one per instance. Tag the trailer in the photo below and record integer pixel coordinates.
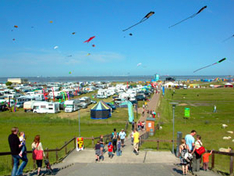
(71, 105)
(45, 107)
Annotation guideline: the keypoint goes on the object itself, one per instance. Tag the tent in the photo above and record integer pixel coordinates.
(100, 111)
(228, 85)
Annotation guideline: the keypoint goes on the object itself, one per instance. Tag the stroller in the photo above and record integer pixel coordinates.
(49, 170)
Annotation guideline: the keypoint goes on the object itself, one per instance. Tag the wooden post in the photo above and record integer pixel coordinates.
(65, 148)
(47, 153)
(92, 141)
(213, 161)
(74, 142)
(157, 144)
(56, 154)
(231, 166)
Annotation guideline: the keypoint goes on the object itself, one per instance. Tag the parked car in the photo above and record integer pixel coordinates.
(111, 105)
(19, 104)
(93, 102)
(140, 98)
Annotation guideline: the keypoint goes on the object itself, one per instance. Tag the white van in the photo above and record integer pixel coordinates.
(71, 105)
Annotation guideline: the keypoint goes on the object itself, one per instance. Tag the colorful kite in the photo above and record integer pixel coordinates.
(51, 21)
(91, 38)
(15, 26)
(93, 45)
(73, 33)
(211, 65)
(189, 17)
(228, 38)
(70, 72)
(88, 54)
(146, 17)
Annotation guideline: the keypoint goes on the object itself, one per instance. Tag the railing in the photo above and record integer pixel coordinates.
(231, 154)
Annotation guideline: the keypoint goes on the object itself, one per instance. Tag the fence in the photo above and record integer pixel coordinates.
(214, 153)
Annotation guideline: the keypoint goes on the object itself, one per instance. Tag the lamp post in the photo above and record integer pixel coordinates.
(79, 120)
(173, 111)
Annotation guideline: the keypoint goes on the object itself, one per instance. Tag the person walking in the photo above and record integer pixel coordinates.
(114, 137)
(136, 137)
(38, 153)
(189, 139)
(122, 136)
(15, 148)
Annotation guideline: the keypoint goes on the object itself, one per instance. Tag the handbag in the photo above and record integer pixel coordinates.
(200, 150)
(37, 154)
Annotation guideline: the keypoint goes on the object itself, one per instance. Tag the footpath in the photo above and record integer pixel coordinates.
(147, 163)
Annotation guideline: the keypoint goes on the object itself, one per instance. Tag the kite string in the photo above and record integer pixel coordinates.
(144, 19)
(183, 20)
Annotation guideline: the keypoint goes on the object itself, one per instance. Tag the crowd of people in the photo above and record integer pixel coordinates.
(18, 149)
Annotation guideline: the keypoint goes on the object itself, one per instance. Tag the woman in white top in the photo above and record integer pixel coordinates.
(197, 158)
(37, 145)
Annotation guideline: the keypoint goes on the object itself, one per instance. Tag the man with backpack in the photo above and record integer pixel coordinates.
(114, 137)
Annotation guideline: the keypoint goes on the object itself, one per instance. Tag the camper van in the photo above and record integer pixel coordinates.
(45, 107)
(86, 100)
(71, 105)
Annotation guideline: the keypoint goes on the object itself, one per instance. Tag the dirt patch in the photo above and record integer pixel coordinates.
(183, 104)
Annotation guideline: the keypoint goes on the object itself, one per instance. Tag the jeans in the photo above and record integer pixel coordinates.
(15, 169)
(118, 152)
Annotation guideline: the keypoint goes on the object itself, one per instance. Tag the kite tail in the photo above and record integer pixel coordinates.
(183, 20)
(203, 67)
(134, 25)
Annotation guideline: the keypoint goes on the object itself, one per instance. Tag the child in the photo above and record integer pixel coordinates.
(183, 162)
(110, 150)
(22, 143)
(118, 153)
(97, 150)
(205, 157)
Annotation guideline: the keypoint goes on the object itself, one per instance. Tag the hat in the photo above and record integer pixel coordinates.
(122, 129)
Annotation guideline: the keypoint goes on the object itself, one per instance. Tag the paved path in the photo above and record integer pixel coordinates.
(147, 163)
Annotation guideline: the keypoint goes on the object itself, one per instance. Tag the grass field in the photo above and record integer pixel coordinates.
(54, 130)
(207, 124)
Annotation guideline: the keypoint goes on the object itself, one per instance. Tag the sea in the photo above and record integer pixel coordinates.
(41, 79)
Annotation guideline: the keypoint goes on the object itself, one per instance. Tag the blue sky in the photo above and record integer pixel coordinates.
(180, 50)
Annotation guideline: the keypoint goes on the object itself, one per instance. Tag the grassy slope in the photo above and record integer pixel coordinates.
(203, 120)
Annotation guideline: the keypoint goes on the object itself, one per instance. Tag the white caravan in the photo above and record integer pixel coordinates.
(71, 105)
(45, 107)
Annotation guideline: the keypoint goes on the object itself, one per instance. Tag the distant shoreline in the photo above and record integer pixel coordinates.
(114, 78)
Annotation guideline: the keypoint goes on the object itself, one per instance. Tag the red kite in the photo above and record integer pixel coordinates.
(91, 38)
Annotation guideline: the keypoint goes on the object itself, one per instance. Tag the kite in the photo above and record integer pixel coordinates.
(189, 17)
(88, 54)
(139, 64)
(130, 34)
(210, 65)
(93, 45)
(13, 39)
(16, 26)
(69, 56)
(228, 38)
(56, 47)
(51, 21)
(146, 17)
(73, 33)
(70, 72)
(91, 38)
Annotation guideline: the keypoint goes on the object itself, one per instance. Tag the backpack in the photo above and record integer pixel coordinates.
(112, 135)
(184, 153)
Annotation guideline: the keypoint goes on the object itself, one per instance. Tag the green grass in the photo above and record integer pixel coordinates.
(207, 124)
(54, 131)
